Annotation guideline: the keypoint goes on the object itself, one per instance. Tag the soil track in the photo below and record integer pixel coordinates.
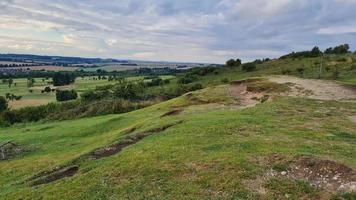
(316, 89)
(247, 99)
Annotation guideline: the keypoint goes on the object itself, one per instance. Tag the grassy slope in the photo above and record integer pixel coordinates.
(207, 156)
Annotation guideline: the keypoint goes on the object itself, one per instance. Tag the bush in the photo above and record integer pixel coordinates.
(126, 91)
(3, 104)
(47, 89)
(66, 95)
(10, 117)
(225, 80)
(300, 71)
(196, 86)
(286, 71)
(249, 67)
(188, 78)
(336, 74)
(156, 82)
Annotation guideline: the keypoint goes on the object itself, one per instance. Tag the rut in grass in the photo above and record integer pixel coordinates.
(71, 169)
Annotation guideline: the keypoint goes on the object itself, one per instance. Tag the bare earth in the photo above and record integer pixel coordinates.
(316, 89)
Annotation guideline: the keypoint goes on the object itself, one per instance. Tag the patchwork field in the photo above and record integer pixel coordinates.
(36, 97)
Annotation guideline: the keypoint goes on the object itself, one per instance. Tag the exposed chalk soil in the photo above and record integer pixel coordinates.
(316, 89)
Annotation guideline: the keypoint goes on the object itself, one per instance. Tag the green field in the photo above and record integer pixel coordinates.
(213, 150)
(38, 98)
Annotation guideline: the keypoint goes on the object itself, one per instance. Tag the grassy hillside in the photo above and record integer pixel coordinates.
(202, 145)
(344, 64)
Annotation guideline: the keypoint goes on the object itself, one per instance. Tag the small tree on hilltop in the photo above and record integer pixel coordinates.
(233, 63)
(230, 63)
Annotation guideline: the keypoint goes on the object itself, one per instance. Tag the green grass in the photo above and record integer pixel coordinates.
(207, 156)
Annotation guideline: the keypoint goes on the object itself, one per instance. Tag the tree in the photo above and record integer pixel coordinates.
(30, 82)
(47, 89)
(315, 52)
(341, 49)
(233, 63)
(10, 81)
(3, 104)
(230, 63)
(60, 79)
(66, 95)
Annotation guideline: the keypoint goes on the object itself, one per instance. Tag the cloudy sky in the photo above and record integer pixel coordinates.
(174, 30)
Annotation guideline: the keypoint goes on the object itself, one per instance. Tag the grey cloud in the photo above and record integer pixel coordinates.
(208, 31)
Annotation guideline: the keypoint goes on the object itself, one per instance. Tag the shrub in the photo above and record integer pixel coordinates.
(336, 74)
(188, 78)
(3, 104)
(66, 95)
(225, 80)
(286, 71)
(300, 71)
(126, 91)
(196, 86)
(10, 117)
(155, 82)
(47, 89)
(249, 67)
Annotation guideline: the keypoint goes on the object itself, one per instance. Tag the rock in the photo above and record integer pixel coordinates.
(284, 173)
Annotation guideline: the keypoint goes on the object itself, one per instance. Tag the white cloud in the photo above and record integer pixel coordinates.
(144, 55)
(256, 8)
(69, 39)
(111, 42)
(337, 30)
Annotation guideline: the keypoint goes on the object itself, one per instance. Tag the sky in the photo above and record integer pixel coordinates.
(210, 31)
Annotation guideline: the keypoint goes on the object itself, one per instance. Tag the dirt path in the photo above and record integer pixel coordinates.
(246, 99)
(316, 89)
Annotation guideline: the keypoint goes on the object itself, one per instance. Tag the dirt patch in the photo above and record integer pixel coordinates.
(172, 113)
(247, 99)
(328, 176)
(117, 147)
(316, 89)
(27, 103)
(127, 141)
(48, 177)
(323, 174)
(10, 150)
(353, 118)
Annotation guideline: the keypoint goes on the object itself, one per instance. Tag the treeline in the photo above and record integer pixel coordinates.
(316, 52)
(99, 72)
